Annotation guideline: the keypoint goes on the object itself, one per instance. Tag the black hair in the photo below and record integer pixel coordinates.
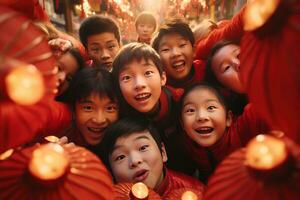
(173, 25)
(128, 53)
(96, 25)
(125, 127)
(90, 80)
(206, 86)
(78, 57)
(145, 17)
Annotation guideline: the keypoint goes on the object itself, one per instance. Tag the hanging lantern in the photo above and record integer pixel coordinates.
(137, 191)
(271, 67)
(267, 169)
(50, 171)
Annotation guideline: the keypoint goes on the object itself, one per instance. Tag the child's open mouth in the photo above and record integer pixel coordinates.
(142, 97)
(179, 66)
(140, 175)
(204, 130)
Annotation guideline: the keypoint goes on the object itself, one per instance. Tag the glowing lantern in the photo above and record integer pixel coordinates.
(185, 193)
(135, 191)
(51, 171)
(25, 84)
(258, 12)
(49, 162)
(265, 152)
(139, 191)
(189, 195)
(267, 169)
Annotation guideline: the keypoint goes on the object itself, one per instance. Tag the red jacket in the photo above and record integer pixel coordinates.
(174, 180)
(233, 30)
(21, 124)
(198, 70)
(239, 133)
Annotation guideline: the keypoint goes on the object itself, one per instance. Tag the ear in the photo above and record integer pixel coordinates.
(163, 78)
(194, 51)
(164, 153)
(229, 118)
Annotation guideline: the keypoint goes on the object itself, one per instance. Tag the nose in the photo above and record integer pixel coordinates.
(202, 116)
(134, 160)
(61, 76)
(236, 64)
(99, 118)
(105, 54)
(139, 83)
(175, 51)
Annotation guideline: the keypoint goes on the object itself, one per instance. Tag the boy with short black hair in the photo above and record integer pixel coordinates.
(175, 45)
(139, 80)
(101, 37)
(133, 151)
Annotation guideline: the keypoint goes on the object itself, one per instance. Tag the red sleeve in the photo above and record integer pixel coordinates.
(231, 31)
(20, 124)
(249, 124)
(175, 180)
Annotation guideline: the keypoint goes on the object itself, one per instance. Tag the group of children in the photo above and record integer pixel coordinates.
(137, 106)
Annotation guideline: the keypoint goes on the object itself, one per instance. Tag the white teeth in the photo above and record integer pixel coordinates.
(178, 64)
(144, 95)
(95, 129)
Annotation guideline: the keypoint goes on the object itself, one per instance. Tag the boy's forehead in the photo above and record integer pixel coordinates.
(133, 137)
(103, 36)
(142, 62)
(176, 37)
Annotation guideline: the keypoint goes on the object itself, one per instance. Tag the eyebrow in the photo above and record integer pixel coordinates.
(144, 64)
(180, 38)
(137, 138)
(220, 65)
(83, 101)
(207, 101)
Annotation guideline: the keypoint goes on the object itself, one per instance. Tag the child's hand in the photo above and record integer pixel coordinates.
(59, 46)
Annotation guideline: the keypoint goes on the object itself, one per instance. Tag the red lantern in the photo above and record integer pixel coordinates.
(127, 191)
(267, 169)
(271, 67)
(52, 172)
(24, 54)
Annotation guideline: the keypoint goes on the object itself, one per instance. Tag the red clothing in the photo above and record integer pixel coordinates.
(174, 180)
(239, 133)
(197, 75)
(233, 30)
(21, 124)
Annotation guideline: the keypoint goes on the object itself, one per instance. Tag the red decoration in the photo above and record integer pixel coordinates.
(123, 192)
(271, 67)
(234, 180)
(20, 40)
(178, 194)
(86, 178)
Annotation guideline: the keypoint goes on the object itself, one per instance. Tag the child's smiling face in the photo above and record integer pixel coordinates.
(140, 83)
(204, 117)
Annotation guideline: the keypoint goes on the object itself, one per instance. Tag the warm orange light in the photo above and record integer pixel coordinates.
(52, 138)
(265, 152)
(49, 162)
(140, 190)
(258, 12)
(6, 154)
(25, 84)
(189, 195)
